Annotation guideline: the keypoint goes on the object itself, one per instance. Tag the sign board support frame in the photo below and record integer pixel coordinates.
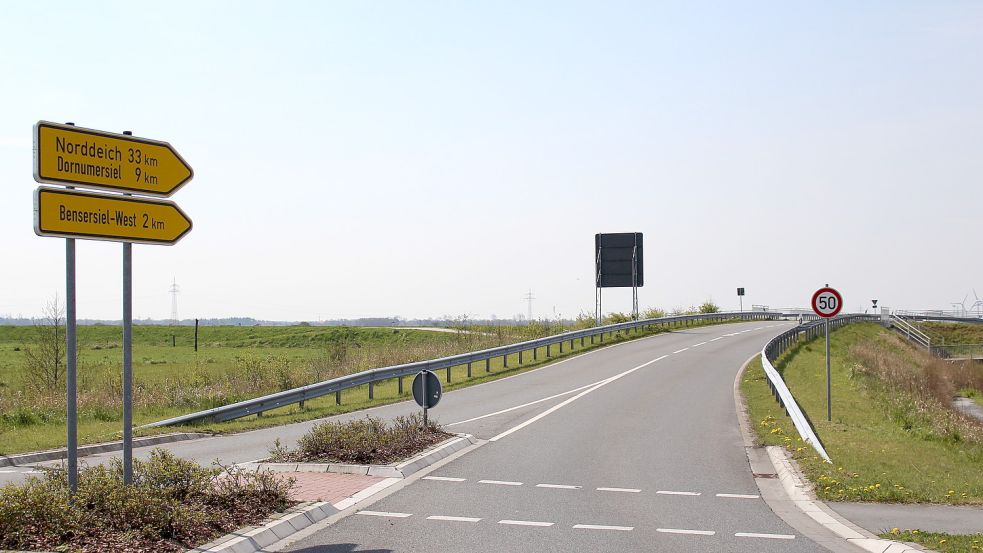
(829, 380)
(597, 295)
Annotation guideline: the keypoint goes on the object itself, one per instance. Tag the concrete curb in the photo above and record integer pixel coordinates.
(56, 454)
(401, 470)
(279, 527)
(795, 488)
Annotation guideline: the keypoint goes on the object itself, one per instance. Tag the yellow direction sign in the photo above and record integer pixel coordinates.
(74, 214)
(66, 154)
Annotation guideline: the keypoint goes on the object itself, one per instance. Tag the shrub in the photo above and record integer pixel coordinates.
(173, 504)
(363, 441)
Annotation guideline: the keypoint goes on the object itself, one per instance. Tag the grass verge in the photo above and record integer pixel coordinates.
(368, 441)
(943, 543)
(890, 441)
(172, 505)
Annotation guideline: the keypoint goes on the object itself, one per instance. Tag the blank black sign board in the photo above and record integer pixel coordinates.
(613, 253)
(740, 291)
(434, 390)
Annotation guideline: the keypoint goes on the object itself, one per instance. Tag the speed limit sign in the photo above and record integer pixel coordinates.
(827, 302)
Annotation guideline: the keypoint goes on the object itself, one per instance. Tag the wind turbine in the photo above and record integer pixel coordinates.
(961, 311)
(978, 306)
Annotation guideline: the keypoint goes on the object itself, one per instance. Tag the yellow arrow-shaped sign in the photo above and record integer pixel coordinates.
(74, 214)
(66, 154)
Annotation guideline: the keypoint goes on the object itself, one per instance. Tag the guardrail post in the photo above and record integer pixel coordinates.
(371, 390)
(520, 357)
(337, 397)
(571, 344)
(535, 354)
(301, 405)
(448, 375)
(581, 341)
(561, 346)
(488, 365)
(469, 369)
(400, 379)
(592, 339)
(505, 360)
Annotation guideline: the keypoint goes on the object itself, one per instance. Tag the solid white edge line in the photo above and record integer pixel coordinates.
(559, 486)
(698, 345)
(623, 490)
(681, 531)
(739, 495)
(679, 351)
(667, 492)
(500, 482)
(453, 519)
(384, 514)
(602, 527)
(568, 401)
(525, 523)
(766, 536)
(366, 493)
(444, 479)
(717, 338)
(525, 404)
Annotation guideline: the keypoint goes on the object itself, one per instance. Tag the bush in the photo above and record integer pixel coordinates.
(709, 307)
(173, 504)
(363, 441)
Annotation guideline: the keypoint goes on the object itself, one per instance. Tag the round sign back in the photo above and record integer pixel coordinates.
(827, 302)
(434, 390)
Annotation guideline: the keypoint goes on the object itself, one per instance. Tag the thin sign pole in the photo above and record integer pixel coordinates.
(71, 374)
(423, 377)
(829, 400)
(127, 363)
(127, 359)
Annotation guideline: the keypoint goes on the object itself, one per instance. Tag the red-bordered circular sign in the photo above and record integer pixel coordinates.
(827, 302)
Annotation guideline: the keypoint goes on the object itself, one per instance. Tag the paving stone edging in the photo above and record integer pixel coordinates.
(400, 470)
(282, 525)
(277, 527)
(56, 454)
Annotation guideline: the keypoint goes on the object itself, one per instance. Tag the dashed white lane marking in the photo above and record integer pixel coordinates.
(454, 519)
(623, 490)
(568, 401)
(526, 404)
(732, 334)
(766, 536)
(682, 531)
(500, 482)
(680, 351)
(444, 478)
(559, 486)
(602, 527)
(384, 514)
(7, 471)
(717, 338)
(759, 328)
(525, 523)
(697, 345)
(668, 492)
(739, 495)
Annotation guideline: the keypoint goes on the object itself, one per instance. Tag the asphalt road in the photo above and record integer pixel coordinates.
(641, 452)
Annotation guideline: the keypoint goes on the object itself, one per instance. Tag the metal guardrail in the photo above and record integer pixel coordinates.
(910, 331)
(942, 316)
(779, 345)
(373, 376)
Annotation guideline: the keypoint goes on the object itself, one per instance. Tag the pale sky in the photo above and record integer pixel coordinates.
(442, 158)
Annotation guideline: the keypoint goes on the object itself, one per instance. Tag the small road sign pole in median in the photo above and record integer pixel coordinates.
(827, 303)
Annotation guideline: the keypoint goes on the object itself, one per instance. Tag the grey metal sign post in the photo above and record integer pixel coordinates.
(71, 392)
(827, 303)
